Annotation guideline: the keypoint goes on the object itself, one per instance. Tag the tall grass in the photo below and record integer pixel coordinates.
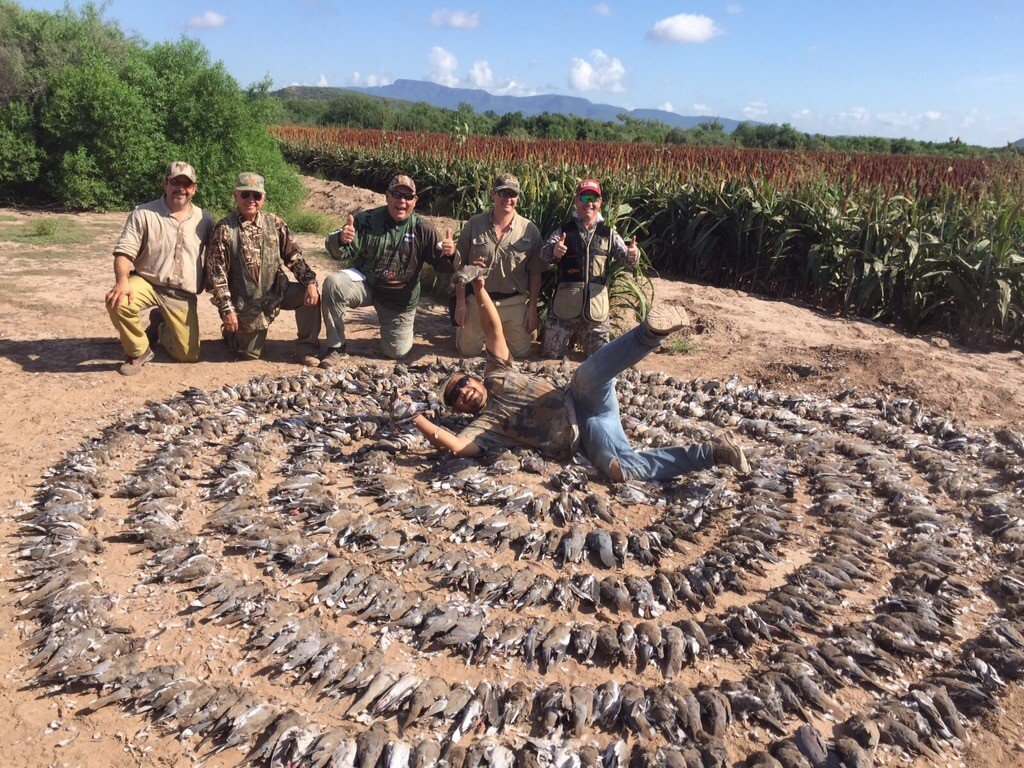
(925, 243)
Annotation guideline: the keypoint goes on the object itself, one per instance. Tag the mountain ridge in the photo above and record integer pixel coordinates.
(449, 98)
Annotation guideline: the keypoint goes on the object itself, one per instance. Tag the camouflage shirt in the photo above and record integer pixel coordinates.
(522, 410)
(218, 256)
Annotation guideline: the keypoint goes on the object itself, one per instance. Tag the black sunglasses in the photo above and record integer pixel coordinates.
(452, 395)
(247, 195)
(507, 193)
(403, 195)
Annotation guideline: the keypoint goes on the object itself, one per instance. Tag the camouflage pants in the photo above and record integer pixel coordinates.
(560, 336)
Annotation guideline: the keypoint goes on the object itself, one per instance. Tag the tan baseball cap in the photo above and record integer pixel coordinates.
(401, 180)
(506, 181)
(251, 182)
(178, 168)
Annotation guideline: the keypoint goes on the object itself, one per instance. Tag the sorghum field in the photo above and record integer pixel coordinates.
(926, 243)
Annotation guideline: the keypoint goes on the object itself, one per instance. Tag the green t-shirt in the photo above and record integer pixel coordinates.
(390, 254)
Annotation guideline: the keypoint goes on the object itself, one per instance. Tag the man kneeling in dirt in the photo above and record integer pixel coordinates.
(518, 409)
(248, 249)
(158, 262)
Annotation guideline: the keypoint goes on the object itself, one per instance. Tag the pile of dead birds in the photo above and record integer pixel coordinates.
(857, 599)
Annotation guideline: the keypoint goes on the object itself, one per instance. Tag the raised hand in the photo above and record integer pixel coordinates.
(633, 252)
(447, 245)
(560, 250)
(348, 232)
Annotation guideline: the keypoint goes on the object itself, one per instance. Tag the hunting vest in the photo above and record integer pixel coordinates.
(582, 274)
(390, 259)
(257, 302)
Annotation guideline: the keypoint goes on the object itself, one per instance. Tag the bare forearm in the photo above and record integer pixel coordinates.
(122, 267)
(535, 278)
(439, 437)
(460, 294)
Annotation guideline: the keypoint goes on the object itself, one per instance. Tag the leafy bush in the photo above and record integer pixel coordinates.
(94, 115)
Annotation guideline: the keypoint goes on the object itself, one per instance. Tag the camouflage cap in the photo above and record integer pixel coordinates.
(179, 168)
(251, 182)
(506, 181)
(401, 180)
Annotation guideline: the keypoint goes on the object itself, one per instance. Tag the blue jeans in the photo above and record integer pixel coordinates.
(597, 411)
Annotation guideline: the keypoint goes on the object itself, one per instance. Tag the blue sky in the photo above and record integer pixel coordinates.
(924, 69)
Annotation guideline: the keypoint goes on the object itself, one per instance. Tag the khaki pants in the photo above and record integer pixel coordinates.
(341, 292)
(249, 344)
(178, 333)
(469, 339)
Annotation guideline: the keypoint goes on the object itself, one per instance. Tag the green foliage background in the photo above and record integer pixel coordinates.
(90, 116)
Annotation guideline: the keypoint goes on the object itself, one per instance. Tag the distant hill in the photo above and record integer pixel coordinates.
(482, 101)
(1018, 143)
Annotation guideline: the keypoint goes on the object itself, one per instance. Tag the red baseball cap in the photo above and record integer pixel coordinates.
(589, 185)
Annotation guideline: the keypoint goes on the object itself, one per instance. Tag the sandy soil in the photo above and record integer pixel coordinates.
(58, 357)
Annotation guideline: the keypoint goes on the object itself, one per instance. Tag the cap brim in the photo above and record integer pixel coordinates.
(410, 190)
(182, 176)
(504, 188)
(251, 189)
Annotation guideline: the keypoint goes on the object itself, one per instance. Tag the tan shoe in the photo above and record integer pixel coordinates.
(664, 318)
(334, 357)
(725, 450)
(306, 354)
(132, 365)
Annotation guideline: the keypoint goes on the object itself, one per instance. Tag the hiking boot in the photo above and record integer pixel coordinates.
(306, 354)
(133, 365)
(153, 329)
(334, 357)
(615, 473)
(664, 319)
(725, 450)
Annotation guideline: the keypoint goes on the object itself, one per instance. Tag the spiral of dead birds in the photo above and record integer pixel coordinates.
(279, 570)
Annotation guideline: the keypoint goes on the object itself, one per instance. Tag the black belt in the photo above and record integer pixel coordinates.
(495, 295)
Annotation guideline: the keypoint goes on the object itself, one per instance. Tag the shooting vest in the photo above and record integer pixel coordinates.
(582, 275)
(257, 302)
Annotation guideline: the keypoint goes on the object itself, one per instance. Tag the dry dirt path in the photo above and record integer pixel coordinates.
(58, 358)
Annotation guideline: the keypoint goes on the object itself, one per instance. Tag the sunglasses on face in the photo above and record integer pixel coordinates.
(403, 195)
(507, 193)
(456, 391)
(180, 182)
(251, 195)
(590, 197)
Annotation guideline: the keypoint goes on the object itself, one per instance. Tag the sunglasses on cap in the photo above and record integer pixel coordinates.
(590, 197)
(452, 395)
(402, 195)
(250, 195)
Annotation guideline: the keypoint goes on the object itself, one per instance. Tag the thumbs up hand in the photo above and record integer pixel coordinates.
(348, 232)
(560, 250)
(633, 252)
(447, 245)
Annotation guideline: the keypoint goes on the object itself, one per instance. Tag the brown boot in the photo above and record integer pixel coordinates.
(306, 354)
(664, 318)
(132, 365)
(725, 450)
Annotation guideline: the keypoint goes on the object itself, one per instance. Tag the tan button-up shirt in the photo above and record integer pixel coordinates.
(164, 251)
(511, 256)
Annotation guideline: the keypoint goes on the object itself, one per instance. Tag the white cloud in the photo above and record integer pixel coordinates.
(932, 115)
(207, 20)
(755, 110)
(454, 19)
(733, 9)
(372, 80)
(601, 73)
(667, 107)
(857, 114)
(442, 67)
(480, 75)
(685, 28)
(603, 9)
(702, 109)
(322, 82)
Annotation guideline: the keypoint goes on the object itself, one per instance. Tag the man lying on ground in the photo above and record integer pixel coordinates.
(518, 409)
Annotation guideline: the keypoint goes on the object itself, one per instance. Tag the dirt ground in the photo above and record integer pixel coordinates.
(58, 359)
